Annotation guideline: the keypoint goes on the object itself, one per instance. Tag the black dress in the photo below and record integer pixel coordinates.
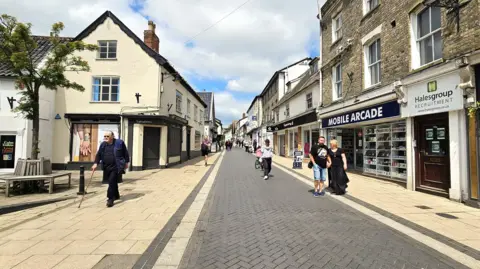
(339, 178)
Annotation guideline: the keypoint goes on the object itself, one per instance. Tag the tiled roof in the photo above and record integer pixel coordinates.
(39, 54)
(207, 98)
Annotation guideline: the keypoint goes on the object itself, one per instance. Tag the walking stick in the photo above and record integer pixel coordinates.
(83, 196)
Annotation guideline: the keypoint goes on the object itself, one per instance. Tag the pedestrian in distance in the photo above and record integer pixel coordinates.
(114, 157)
(205, 147)
(320, 163)
(338, 159)
(254, 144)
(267, 154)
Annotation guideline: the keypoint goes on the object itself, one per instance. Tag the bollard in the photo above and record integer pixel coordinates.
(81, 185)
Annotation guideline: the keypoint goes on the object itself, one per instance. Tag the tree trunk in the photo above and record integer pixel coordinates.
(36, 123)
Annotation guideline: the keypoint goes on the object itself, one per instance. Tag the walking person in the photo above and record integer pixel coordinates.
(338, 168)
(267, 154)
(113, 155)
(205, 148)
(321, 161)
(254, 144)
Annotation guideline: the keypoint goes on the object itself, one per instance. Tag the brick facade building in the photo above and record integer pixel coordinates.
(396, 91)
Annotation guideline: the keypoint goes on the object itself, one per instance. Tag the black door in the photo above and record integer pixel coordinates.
(188, 143)
(151, 147)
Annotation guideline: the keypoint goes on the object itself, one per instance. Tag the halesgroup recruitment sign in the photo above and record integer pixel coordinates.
(434, 96)
(386, 110)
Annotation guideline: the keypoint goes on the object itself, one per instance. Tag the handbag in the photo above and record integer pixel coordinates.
(310, 165)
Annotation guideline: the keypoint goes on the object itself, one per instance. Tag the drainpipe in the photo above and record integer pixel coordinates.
(320, 103)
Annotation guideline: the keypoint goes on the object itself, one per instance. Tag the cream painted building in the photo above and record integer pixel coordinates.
(133, 91)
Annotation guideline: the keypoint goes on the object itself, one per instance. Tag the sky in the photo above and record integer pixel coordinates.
(235, 58)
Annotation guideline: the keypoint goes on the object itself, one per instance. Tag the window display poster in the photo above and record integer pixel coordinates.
(87, 139)
(429, 134)
(435, 147)
(7, 142)
(441, 133)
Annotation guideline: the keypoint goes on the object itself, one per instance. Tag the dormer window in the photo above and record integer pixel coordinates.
(107, 49)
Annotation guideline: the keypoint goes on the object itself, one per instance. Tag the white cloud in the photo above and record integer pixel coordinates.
(245, 49)
(228, 108)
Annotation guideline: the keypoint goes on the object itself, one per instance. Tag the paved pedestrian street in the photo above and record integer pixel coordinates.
(227, 216)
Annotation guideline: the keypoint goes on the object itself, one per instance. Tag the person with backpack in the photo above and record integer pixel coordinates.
(320, 162)
(113, 155)
(205, 148)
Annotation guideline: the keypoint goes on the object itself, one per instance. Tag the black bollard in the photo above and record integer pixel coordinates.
(81, 185)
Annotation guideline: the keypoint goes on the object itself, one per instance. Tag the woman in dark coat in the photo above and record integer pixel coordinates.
(338, 162)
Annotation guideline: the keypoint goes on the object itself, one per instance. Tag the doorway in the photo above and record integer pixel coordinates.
(432, 152)
(151, 148)
(282, 145)
(189, 138)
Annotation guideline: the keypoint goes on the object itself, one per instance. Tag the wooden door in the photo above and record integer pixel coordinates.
(432, 152)
(151, 147)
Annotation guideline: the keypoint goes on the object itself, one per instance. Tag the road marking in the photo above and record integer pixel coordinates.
(426, 240)
(172, 254)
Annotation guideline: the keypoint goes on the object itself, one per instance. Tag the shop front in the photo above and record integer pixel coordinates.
(373, 139)
(435, 110)
(296, 133)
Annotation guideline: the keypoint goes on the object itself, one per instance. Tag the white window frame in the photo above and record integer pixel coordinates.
(368, 65)
(189, 110)
(337, 82)
(178, 101)
(309, 98)
(109, 42)
(367, 5)
(337, 31)
(195, 112)
(101, 85)
(415, 40)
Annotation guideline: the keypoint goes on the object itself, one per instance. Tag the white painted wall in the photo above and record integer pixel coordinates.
(14, 124)
(298, 103)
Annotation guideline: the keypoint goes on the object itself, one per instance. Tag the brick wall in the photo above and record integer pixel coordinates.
(394, 17)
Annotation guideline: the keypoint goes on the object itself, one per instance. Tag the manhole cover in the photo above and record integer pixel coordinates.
(423, 207)
(447, 216)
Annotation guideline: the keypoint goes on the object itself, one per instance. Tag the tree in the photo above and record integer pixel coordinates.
(17, 50)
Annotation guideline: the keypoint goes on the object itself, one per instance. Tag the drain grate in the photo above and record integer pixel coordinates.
(423, 207)
(447, 216)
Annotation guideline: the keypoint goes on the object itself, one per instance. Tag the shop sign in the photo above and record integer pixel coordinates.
(304, 119)
(178, 118)
(386, 110)
(297, 159)
(7, 142)
(434, 96)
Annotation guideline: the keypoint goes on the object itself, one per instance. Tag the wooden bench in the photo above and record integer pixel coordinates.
(35, 170)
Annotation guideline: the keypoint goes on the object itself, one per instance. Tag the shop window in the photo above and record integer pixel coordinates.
(178, 102)
(337, 82)
(337, 28)
(7, 142)
(86, 140)
(309, 100)
(385, 150)
(188, 108)
(307, 144)
(427, 36)
(198, 138)
(107, 49)
(373, 59)
(106, 89)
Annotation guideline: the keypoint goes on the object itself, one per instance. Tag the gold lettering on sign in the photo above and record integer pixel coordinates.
(436, 160)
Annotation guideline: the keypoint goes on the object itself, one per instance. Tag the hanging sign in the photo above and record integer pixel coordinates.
(386, 110)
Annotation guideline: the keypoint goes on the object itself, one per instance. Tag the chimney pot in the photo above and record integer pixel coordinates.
(151, 26)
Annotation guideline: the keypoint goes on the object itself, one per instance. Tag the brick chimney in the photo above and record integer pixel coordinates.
(150, 38)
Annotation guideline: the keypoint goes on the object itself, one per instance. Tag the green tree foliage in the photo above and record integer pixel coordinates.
(17, 50)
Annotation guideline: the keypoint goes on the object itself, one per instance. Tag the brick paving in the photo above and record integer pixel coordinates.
(252, 223)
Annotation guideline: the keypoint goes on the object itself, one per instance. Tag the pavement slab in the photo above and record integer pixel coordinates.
(249, 222)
